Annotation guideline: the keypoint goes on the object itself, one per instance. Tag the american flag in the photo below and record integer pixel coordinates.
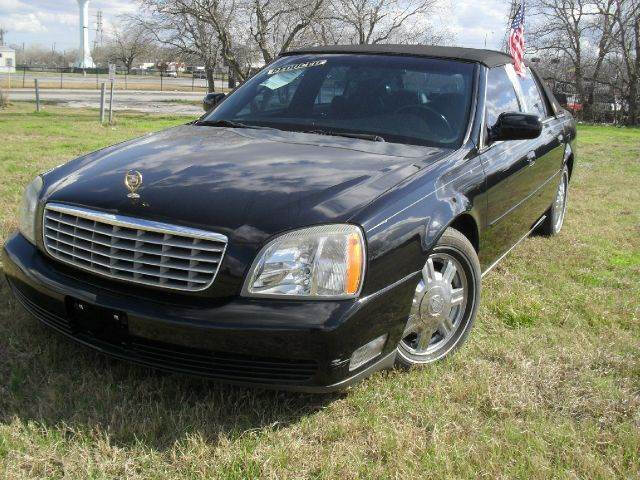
(516, 41)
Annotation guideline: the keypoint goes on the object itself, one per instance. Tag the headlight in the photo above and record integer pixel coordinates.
(27, 214)
(318, 262)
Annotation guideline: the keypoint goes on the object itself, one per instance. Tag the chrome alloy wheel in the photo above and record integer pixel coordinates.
(438, 308)
(560, 203)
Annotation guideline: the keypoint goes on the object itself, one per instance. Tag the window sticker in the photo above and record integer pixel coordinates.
(280, 80)
(297, 66)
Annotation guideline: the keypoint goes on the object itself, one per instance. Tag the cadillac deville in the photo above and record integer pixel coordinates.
(331, 217)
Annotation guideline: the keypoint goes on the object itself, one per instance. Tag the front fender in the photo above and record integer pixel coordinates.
(405, 224)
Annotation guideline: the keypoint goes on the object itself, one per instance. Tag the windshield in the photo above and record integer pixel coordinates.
(398, 99)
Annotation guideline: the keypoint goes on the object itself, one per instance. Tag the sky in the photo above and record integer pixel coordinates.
(49, 22)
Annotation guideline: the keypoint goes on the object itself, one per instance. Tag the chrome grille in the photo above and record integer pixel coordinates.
(133, 250)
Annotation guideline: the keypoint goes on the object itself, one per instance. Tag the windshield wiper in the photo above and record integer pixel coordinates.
(223, 123)
(361, 136)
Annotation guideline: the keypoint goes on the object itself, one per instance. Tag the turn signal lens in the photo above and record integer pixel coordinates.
(354, 264)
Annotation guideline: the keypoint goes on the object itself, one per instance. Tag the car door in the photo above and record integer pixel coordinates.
(511, 182)
(548, 148)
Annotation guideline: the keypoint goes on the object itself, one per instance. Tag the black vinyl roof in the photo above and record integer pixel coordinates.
(489, 58)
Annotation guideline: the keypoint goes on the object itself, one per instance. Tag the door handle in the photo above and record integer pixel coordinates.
(531, 157)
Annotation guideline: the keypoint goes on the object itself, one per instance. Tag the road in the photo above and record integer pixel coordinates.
(176, 103)
(75, 80)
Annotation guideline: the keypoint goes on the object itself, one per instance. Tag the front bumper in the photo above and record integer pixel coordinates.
(285, 344)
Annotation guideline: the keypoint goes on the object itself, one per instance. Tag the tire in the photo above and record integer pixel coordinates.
(558, 210)
(445, 303)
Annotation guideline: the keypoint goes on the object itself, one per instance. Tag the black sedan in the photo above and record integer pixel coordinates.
(331, 217)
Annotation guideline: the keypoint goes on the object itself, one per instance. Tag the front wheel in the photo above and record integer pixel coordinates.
(445, 302)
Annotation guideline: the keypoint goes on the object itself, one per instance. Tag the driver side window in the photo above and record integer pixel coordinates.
(501, 95)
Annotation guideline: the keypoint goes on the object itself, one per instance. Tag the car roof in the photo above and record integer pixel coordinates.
(489, 58)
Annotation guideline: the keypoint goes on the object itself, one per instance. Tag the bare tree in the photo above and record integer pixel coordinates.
(186, 33)
(225, 19)
(245, 31)
(273, 26)
(276, 24)
(380, 21)
(256, 31)
(580, 30)
(626, 19)
(130, 42)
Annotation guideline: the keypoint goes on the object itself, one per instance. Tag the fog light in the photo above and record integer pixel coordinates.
(367, 352)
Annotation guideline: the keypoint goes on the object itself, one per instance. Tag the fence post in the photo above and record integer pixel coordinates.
(111, 105)
(37, 96)
(24, 73)
(102, 95)
(61, 79)
(193, 80)
(97, 79)
(161, 89)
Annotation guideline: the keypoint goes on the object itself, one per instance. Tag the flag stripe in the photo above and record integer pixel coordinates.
(516, 41)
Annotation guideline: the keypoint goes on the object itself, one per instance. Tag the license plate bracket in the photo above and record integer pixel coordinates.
(102, 323)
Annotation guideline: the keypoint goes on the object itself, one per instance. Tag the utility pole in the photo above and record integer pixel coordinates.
(2, 32)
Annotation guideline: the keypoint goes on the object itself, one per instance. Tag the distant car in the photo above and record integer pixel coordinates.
(574, 107)
(332, 216)
(171, 74)
(199, 74)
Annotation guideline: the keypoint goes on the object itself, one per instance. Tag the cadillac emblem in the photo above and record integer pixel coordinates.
(133, 181)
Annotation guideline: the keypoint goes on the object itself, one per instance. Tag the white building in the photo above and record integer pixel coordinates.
(7, 59)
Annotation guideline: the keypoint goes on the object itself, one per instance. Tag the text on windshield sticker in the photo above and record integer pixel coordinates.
(297, 66)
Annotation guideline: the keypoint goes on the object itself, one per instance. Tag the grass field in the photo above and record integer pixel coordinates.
(547, 386)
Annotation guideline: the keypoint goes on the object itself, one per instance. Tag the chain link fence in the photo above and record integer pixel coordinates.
(191, 79)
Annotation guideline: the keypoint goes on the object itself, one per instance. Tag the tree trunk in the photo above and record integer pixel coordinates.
(635, 78)
(633, 102)
(209, 71)
(580, 90)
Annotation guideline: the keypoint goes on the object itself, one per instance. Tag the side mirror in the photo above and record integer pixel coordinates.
(211, 100)
(515, 126)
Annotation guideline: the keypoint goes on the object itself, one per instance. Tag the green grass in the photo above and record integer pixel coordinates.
(548, 385)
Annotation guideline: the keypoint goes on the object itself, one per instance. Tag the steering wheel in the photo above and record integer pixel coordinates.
(443, 128)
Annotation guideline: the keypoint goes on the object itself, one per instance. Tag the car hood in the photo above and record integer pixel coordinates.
(245, 183)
